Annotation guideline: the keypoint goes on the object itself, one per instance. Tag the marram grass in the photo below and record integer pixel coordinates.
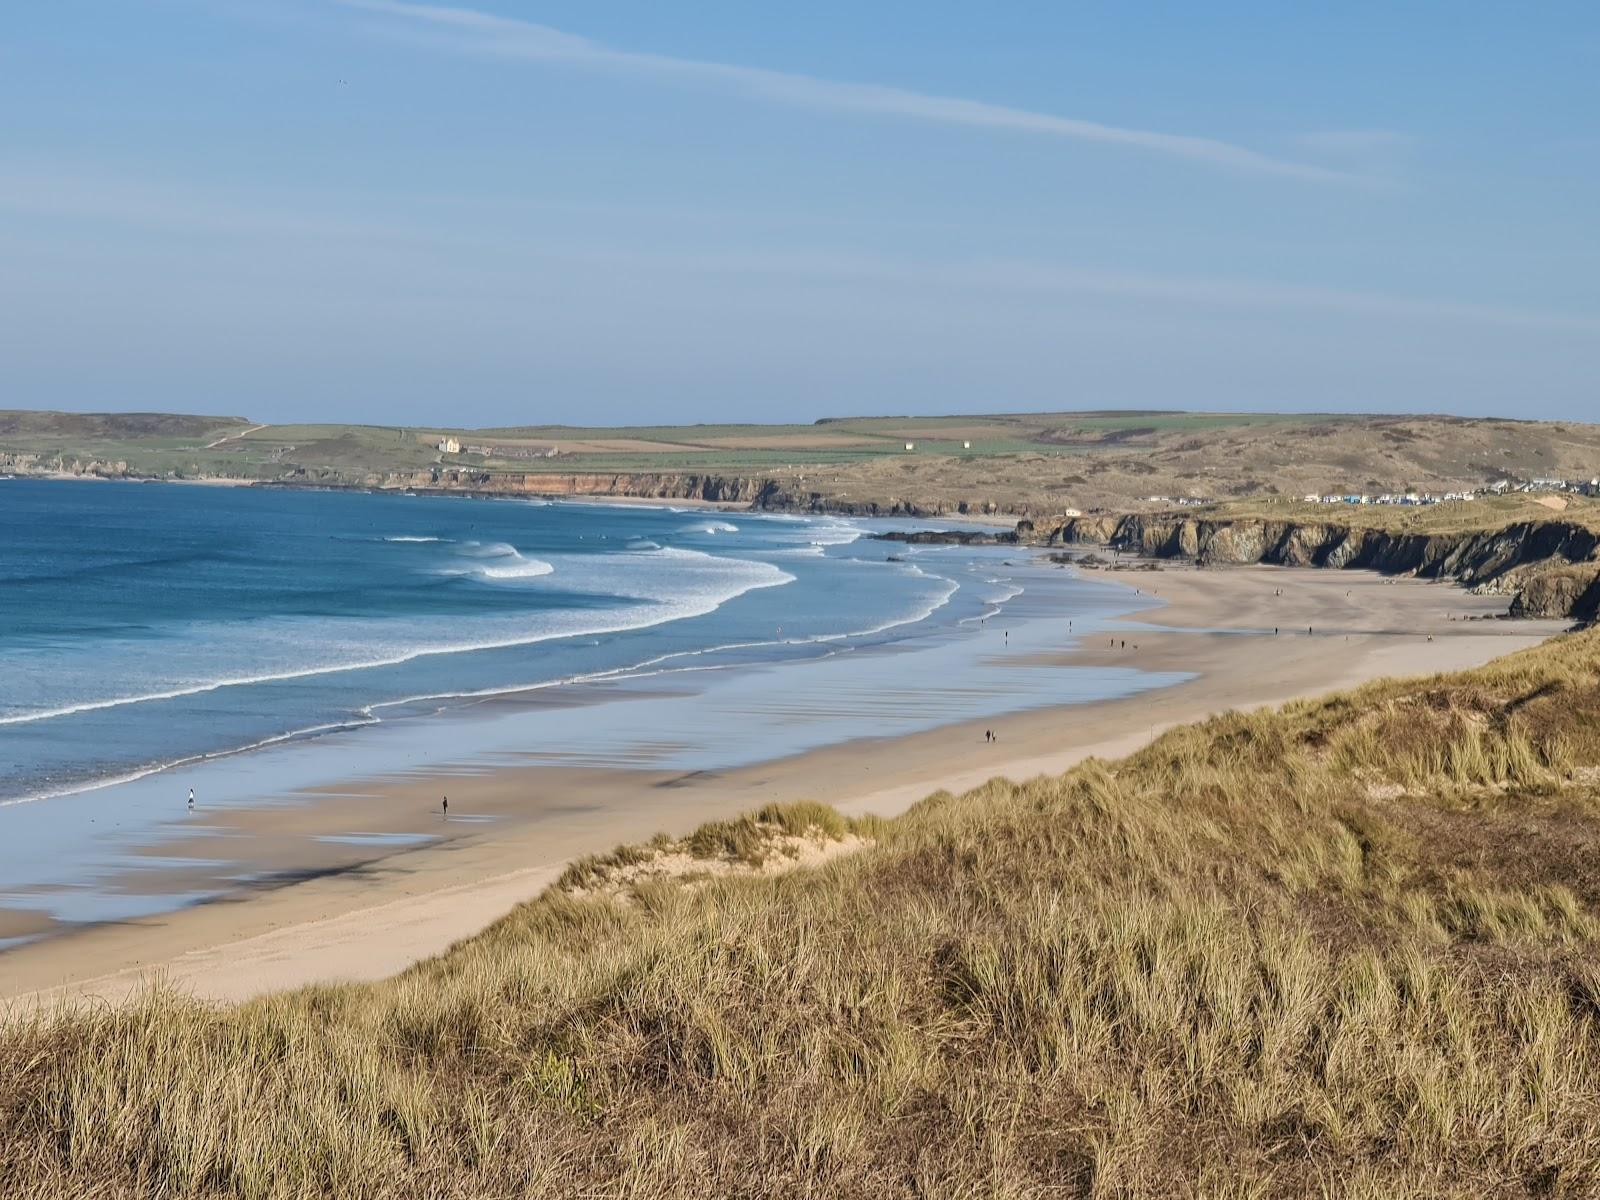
(1344, 949)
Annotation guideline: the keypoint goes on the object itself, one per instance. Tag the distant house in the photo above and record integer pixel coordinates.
(911, 445)
(449, 445)
(964, 446)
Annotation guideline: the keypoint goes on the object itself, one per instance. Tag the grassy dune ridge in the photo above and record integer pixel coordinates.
(1347, 948)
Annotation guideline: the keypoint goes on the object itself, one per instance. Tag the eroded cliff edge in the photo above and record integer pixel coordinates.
(748, 491)
(1548, 568)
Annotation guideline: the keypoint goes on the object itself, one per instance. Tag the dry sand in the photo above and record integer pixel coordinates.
(365, 914)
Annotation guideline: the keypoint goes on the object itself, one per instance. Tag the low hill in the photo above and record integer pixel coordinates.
(1028, 464)
(1348, 948)
(25, 426)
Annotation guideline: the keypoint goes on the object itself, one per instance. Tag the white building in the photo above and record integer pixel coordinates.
(449, 445)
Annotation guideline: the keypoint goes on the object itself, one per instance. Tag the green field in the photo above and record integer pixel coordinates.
(361, 449)
(1033, 464)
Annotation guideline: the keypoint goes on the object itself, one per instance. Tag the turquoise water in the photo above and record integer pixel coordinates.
(251, 643)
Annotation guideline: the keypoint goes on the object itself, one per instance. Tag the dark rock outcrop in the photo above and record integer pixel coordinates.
(952, 537)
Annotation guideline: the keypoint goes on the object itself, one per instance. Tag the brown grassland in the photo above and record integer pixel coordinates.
(1025, 464)
(1347, 948)
(1486, 514)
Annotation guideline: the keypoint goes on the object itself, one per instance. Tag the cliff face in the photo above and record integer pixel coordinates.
(1548, 568)
(38, 464)
(716, 488)
(750, 491)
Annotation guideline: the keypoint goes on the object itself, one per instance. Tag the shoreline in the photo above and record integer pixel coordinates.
(520, 824)
(365, 716)
(997, 519)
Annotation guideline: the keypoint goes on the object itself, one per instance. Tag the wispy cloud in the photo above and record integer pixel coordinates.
(998, 277)
(494, 249)
(472, 31)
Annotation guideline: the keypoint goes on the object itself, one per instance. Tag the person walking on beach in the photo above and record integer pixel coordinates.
(444, 808)
(191, 799)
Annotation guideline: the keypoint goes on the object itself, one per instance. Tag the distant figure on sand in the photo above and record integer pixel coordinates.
(191, 799)
(444, 807)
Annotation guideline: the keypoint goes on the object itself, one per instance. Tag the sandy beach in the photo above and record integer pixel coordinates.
(368, 911)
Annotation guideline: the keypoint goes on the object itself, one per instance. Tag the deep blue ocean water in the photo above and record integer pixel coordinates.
(143, 625)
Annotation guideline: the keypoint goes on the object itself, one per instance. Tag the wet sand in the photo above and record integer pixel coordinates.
(411, 882)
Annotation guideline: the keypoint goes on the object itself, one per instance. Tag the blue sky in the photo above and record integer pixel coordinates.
(634, 212)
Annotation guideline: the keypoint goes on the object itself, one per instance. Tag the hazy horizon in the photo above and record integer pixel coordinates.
(798, 418)
(606, 213)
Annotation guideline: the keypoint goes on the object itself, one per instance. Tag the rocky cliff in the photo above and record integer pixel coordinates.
(749, 491)
(1548, 568)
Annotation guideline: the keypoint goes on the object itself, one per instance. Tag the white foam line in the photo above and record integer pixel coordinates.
(996, 604)
(362, 719)
(692, 610)
(710, 527)
(368, 714)
(638, 670)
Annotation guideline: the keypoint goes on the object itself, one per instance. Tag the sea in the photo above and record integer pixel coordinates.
(158, 637)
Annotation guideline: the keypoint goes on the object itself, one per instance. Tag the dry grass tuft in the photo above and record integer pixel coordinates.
(1344, 949)
(779, 837)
